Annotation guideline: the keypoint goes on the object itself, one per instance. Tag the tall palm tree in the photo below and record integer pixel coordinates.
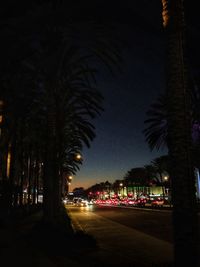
(137, 178)
(59, 67)
(161, 166)
(185, 219)
(151, 174)
(157, 129)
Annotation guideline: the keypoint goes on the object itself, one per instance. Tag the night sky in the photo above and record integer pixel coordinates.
(120, 144)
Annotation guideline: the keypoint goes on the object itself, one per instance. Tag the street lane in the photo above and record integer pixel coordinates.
(118, 241)
(154, 222)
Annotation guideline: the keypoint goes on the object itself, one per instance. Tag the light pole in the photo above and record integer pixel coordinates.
(68, 184)
(121, 187)
(69, 180)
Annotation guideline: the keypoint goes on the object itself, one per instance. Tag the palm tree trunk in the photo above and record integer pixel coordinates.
(35, 173)
(185, 219)
(163, 188)
(29, 173)
(51, 167)
(21, 195)
(49, 176)
(11, 173)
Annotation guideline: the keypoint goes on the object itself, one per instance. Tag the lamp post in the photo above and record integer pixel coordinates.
(69, 180)
(121, 187)
(68, 184)
(165, 180)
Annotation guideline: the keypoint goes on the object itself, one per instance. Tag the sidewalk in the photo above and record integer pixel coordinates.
(14, 249)
(25, 243)
(21, 246)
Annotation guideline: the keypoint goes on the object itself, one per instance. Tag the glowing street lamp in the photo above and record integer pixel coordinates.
(121, 188)
(68, 185)
(165, 178)
(78, 156)
(68, 181)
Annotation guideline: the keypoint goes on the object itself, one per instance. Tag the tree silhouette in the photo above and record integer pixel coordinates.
(185, 220)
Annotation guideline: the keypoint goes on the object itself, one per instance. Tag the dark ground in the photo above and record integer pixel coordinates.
(28, 241)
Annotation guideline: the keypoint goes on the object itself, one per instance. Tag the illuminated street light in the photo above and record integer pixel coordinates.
(69, 180)
(120, 189)
(78, 156)
(68, 184)
(165, 178)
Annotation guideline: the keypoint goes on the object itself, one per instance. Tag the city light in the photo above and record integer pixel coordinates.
(78, 156)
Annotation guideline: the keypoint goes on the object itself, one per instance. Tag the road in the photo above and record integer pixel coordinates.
(153, 222)
(142, 237)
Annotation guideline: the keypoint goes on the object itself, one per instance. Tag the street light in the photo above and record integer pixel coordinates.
(78, 156)
(121, 187)
(69, 180)
(68, 184)
(165, 178)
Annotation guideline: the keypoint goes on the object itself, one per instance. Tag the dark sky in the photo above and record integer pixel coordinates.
(120, 144)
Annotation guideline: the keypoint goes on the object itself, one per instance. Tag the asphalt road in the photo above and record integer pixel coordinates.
(138, 235)
(142, 237)
(153, 222)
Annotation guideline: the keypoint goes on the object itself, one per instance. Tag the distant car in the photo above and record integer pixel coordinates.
(157, 202)
(67, 201)
(141, 202)
(90, 202)
(131, 202)
(81, 203)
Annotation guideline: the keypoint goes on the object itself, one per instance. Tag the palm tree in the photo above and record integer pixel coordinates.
(108, 188)
(161, 167)
(82, 104)
(151, 174)
(61, 73)
(185, 219)
(137, 178)
(156, 131)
